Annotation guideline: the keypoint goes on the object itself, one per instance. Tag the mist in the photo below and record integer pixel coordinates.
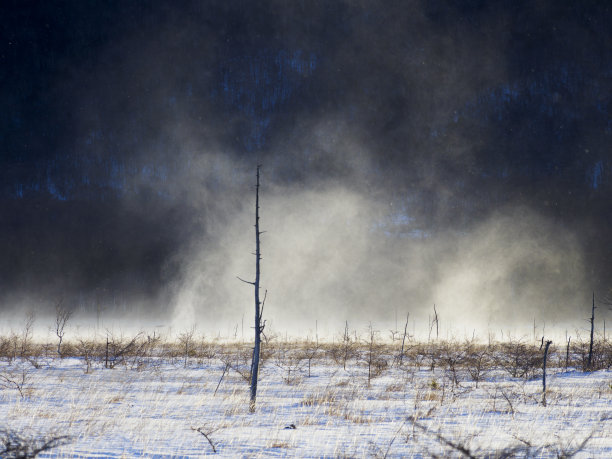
(334, 252)
(453, 153)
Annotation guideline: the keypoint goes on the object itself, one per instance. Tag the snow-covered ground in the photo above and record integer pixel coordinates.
(155, 409)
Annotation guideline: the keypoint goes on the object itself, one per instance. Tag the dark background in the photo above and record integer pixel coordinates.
(464, 107)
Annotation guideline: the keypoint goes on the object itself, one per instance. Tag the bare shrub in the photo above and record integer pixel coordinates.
(238, 359)
(15, 445)
(15, 377)
(131, 352)
(186, 342)
(289, 361)
(6, 348)
(477, 361)
(20, 345)
(87, 349)
(25, 340)
(452, 356)
(414, 356)
(344, 350)
(605, 351)
(374, 356)
(433, 355)
(464, 448)
(518, 359)
(601, 358)
(310, 351)
(206, 350)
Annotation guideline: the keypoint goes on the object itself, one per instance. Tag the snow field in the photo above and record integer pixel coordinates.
(409, 411)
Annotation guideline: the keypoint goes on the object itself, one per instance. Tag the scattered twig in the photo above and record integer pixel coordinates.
(567, 452)
(227, 366)
(507, 398)
(17, 381)
(456, 446)
(207, 436)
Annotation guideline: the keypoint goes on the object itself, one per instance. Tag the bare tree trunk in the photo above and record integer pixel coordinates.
(548, 343)
(592, 329)
(258, 305)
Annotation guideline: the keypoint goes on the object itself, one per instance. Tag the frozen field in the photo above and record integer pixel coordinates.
(152, 407)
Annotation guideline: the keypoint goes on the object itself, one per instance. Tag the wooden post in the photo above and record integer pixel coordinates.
(567, 353)
(590, 361)
(106, 357)
(548, 343)
(370, 354)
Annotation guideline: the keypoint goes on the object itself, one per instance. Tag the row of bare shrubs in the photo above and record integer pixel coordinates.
(466, 360)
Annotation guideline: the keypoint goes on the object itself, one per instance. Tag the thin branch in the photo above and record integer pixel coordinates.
(263, 303)
(227, 366)
(457, 447)
(246, 282)
(571, 453)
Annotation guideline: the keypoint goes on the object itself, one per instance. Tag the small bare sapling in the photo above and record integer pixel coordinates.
(62, 316)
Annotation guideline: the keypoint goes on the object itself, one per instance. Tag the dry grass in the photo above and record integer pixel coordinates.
(467, 360)
(318, 387)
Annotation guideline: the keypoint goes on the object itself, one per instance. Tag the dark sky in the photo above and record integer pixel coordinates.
(461, 108)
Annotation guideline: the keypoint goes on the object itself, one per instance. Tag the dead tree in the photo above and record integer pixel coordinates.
(437, 323)
(346, 345)
(592, 329)
(401, 356)
(431, 324)
(259, 325)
